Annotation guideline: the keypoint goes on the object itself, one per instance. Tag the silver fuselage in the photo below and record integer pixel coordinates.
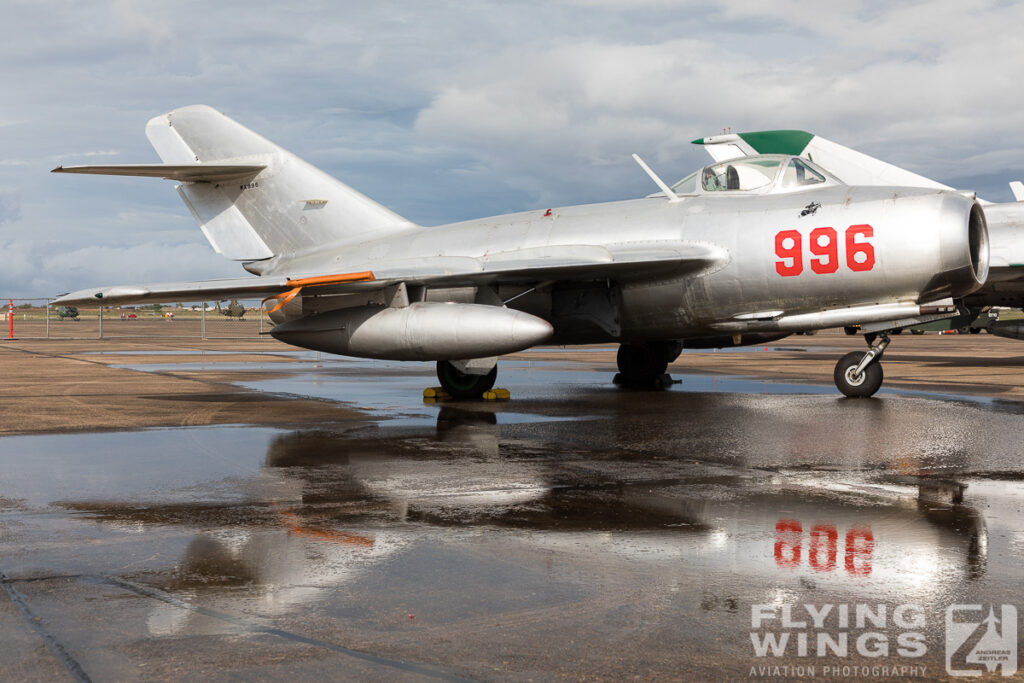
(921, 243)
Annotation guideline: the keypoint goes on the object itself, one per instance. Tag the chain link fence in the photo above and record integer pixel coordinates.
(41, 319)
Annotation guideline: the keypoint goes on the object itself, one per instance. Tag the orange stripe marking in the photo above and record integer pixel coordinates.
(294, 526)
(318, 281)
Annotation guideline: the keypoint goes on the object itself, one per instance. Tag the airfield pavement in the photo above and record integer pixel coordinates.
(234, 508)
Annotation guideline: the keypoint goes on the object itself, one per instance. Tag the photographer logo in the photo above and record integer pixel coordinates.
(980, 640)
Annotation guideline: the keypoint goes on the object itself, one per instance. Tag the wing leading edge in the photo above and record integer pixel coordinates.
(633, 261)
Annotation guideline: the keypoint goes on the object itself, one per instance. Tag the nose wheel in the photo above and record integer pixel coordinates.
(859, 375)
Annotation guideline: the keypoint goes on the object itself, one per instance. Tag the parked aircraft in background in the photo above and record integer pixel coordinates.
(736, 253)
(233, 309)
(1005, 285)
(69, 312)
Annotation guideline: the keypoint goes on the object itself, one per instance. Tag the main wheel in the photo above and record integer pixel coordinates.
(640, 364)
(462, 385)
(862, 386)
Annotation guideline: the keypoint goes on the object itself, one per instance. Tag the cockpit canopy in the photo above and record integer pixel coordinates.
(766, 174)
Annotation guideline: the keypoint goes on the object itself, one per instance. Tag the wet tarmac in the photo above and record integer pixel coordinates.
(578, 531)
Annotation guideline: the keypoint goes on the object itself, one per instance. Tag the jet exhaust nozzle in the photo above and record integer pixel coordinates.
(420, 331)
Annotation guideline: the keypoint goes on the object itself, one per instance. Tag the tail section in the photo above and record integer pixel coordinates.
(253, 199)
(289, 207)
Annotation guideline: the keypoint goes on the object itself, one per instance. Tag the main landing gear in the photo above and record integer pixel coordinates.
(460, 384)
(859, 375)
(645, 364)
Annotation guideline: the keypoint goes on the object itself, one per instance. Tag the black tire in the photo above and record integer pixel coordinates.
(639, 364)
(850, 330)
(866, 385)
(461, 385)
(975, 330)
(916, 332)
(898, 331)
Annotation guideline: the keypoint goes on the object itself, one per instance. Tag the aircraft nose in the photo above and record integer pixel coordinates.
(964, 242)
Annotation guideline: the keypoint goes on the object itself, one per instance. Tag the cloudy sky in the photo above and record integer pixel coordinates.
(450, 110)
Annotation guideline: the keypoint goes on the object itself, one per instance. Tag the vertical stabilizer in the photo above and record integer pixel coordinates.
(288, 207)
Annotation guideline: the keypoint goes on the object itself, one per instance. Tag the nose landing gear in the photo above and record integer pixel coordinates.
(859, 375)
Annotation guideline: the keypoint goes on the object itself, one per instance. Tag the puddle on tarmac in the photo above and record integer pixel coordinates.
(392, 390)
(149, 465)
(291, 516)
(692, 503)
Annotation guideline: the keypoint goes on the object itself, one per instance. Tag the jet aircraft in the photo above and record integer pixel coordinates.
(67, 312)
(1005, 284)
(736, 253)
(234, 309)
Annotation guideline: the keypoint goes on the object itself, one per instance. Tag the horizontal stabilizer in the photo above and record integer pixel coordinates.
(194, 173)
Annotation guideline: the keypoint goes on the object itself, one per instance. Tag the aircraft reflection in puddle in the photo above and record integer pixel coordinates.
(330, 509)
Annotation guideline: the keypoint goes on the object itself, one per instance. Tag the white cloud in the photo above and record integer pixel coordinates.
(915, 85)
(450, 110)
(133, 18)
(10, 208)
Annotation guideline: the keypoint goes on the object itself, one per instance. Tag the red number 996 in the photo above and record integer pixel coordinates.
(823, 243)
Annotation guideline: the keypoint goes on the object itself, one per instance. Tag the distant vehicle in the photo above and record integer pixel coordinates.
(67, 312)
(233, 310)
(972, 323)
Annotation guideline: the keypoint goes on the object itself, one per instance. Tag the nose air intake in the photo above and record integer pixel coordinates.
(962, 235)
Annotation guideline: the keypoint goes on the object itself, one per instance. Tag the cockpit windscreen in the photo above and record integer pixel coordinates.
(758, 174)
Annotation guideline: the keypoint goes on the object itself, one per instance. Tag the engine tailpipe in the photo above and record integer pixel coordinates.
(420, 331)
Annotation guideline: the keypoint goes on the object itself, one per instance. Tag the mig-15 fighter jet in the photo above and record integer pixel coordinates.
(739, 252)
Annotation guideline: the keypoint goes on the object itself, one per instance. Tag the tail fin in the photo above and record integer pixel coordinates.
(253, 199)
(287, 208)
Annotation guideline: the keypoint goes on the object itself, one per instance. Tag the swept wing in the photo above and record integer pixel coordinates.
(525, 266)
